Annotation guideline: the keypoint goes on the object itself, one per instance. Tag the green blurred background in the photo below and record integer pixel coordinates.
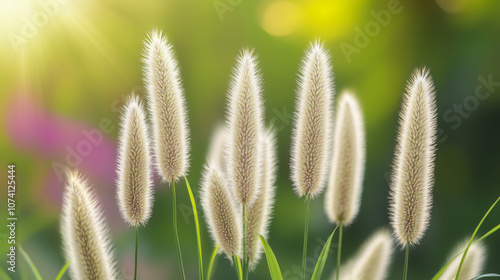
(67, 65)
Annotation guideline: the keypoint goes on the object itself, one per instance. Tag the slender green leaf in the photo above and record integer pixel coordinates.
(63, 270)
(4, 275)
(31, 264)
(198, 239)
(486, 275)
(272, 262)
(320, 265)
(237, 266)
(472, 237)
(211, 263)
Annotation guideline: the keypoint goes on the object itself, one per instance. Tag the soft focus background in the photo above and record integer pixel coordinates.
(67, 65)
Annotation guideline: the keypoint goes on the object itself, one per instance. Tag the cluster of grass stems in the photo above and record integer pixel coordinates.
(238, 187)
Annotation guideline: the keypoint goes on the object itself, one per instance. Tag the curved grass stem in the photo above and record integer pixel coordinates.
(197, 224)
(176, 234)
(212, 261)
(306, 231)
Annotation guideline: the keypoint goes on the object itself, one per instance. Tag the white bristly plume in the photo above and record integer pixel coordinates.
(84, 233)
(167, 108)
(245, 127)
(259, 214)
(134, 183)
(413, 169)
(473, 264)
(221, 213)
(343, 195)
(312, 130)
(216, 152)
(372, 261)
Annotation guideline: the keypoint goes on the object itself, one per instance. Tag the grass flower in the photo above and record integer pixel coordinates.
(472, 266)
(84, 233)
(312, 129)
(412, 176)
(372, 261)
(245, 127)
(221, 212)
(259, 214)
(134, 184)
(167, 106)
(344, 189)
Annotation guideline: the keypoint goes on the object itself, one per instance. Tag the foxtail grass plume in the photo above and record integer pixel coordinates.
(84, 233)
(372, 261)
(222, 215)
(217, 150)
(134, 183)
(312, 122)
(245, 127)
(259, 214)
(346, 177)
(413, 168)
(167, 108)
(473, 264)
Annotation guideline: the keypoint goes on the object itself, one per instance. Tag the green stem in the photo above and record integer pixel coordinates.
(407, 254)
(63, 270)
(306, 231)
(237, 266)
(176, 234)
(339, 250)
(197, 224)
(245, 257)
(136, 249)
(211, 263)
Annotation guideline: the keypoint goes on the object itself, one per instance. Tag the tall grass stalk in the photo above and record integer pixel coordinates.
(197, 225)
(176, 234)
(407, 255)
(136, 250)
(339, 250)
(306, 232)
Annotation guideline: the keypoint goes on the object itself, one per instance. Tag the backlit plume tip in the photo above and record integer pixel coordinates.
(312, 122)
(134, 183)
(245, 127)
(167, 108)
(473, 264)
(258, 215)
(84, 233)
(222, 215)
(346, 177)
(413, 168)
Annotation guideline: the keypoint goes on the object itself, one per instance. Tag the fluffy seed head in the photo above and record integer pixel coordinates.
(412, 176)
(372, 261)
(258, 215)
(84, 233)
(134, 183)
(473, 264)
(167, 108)
(346, 177)
(222, 215)
(245, 127)
(312, 122)
(216, 152)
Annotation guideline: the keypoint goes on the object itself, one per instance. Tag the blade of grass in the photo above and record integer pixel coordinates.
(472, 238)
(4, 275)
(237, 266)
(272, 262)
(486, 275)
(211, 263)
(320, 264)
(62, 271)
(31, 264)
(197, 224)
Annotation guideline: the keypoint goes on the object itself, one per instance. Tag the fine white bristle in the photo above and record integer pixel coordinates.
(245, 127)
(167, 108)
(412, 177)
(312, 130)
(134, 182)
(473, 264)
(84, 233)
(342, 198)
